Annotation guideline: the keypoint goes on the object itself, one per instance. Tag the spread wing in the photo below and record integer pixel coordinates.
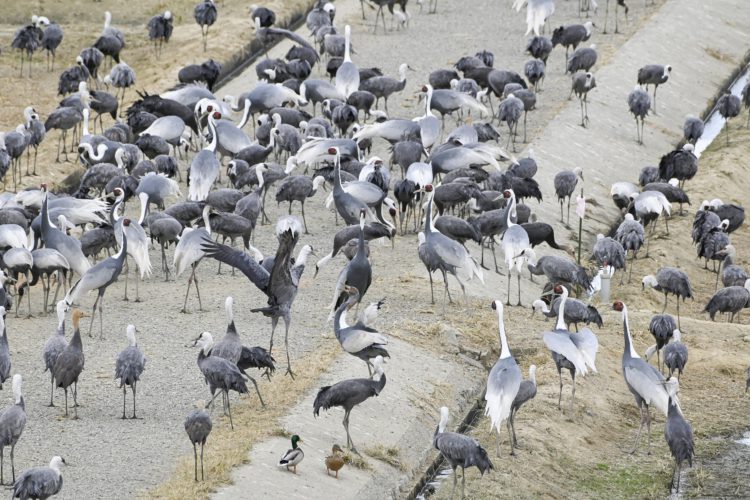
(562, 344)
(239, 259)
(588, 345)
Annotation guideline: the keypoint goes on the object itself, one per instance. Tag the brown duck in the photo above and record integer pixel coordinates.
(335, 461)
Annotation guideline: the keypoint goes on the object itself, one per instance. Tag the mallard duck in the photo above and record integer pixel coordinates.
(335, 461)
(293, 456)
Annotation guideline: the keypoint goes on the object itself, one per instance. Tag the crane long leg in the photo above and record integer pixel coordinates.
(304, 221)
(51, 390)
(432, 290)
(509, 425)
(133, 388)
(665, 303)
(66, 401)
(93, 313)
(640, 429)
(195, 456)
(286, 346)
(202, 476)
(559, 398)
(274, 322)
(519, 288)
(573, 396)
(229, 409)
(445, 281)
(455, 481)
(13, 465)
(654, 106)
(256, 389)
(678, 312)
(349, 440)
(507, 300)
(648, 427)
(75, 400)
(2, 479)
(124, 390)
(101, 316)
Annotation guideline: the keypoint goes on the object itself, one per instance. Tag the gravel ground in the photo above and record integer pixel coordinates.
(145, 450)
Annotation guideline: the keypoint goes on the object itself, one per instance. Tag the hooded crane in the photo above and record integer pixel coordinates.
(205, 15)
(358, 271)
(557, 269)
(502, 384)
(230, 347)
(631, 235)
(662, 327)
(360, 339)
(576, 311)
(582, 83)
(639, 103)
(565, 184)
(136, 235)
(644, 381)
(459, 451)
(219, 373)
(53, 347)
(440, 253)
(69, 364)
(280, 284)
(198, 426)
(732, 299)
(670, 280)
(12, 424)
(99, 278)
(526, 392)
(129, 366)
(349, 393)
(188, 252)
(384, 86)
(729, 106)
(515, 241)
(575, 352)
(679, 436)
(40, 482)
(268, 36)
(160, 30)
(298, 188)
(654, 74)
(675, 354)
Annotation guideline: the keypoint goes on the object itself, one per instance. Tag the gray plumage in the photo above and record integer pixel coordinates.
(654, 74)
(297, 188)
(732, 299)
(672, 192)
(558, 269)
(349, 393)
(732, 274)
(384, 86)
(703, 222)
(359, 340)
(39, 482)
(630, 234)
(205, 15)
(713, 242)
(608, 251)
(358, 270)
(526, 392)
(63, 119)
(92, 58)
(372, 231)
(534, 70)
(582, 83)
(645, 382)
(509, 111)
(680, 164)
(129, 366)
(459, 451)
(671, 280)
(457, 229)
(540, 47)
(268, 36)
(662, 327)
(71, 78)
(198, 426)
(583, 59)
(729, 106)
(675, 355)
(52, 37)
(5, 361)
(27, 40)
(54, 346)
(69, 364)
(12, 424)
(733, 213)
(281, 284)
(692, 129)
(679, 436)
(160, 30)
(219, 373)
(565, 183)
(571, 36)
(575, 312)
(639, 103)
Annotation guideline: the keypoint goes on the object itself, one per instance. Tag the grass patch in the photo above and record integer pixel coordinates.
(387, 454)
(226, 448)
(606, 481)
(356, 461)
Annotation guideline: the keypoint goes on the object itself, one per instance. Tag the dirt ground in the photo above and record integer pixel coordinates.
(568, 454)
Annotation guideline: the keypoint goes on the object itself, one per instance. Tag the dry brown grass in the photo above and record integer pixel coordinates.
(82, 22)
(228, 448)
(387, 454)
(582, 454)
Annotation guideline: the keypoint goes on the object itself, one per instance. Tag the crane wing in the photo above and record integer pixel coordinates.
(588, 345)
(356, 340)
(646, 380)
(239, 259)
(562, 344)
(502, 386)
(293, 37)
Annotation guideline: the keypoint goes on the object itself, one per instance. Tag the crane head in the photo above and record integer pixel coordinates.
(126, 222)
(428, 188)
(507, 193)
(43, 187)
(618, 306)
(558, 289)
(217, 115)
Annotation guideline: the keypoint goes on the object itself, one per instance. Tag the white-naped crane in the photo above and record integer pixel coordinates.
(515, 241)
(280, 283)
(99, 278)
(360, 339)
(502, 384)
(440, 253)
(576, 352)
(644, 381)
(188, 253)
